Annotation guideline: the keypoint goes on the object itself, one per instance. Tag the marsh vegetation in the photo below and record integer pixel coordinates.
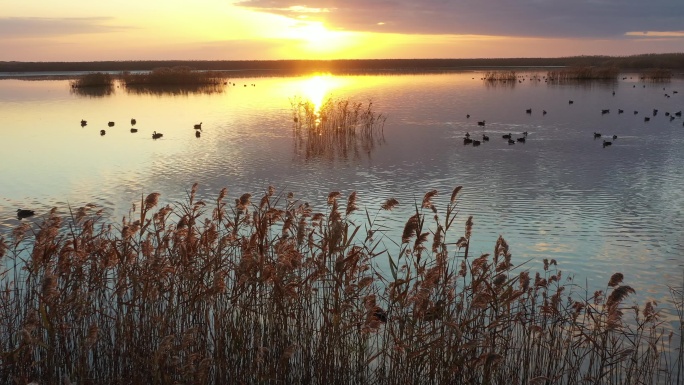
(274, 290)
(338, 128)
(173, 76)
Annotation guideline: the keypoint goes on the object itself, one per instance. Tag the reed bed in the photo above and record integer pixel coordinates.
(179, 75)
(584, 73)
(271, 290)
(339, 128)
(494, 76)
(97, 79)
(657, 74)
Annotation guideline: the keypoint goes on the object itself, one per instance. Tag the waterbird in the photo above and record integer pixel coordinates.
(467, 140)
(678, 113)
(636, 112)
(570, 101)
(467, 116)
(83, 123)
(199, 126)
(476, 142)
(525, 133)
(597, 134)
(133, 122)
(197, 134)
(521, 140)
(529, 110)
(646, 119)
(543, 112)
(606, 143)
(511, 141)
(507, 136)
(21, 213)
(620, 111)
(614, 137)
(156, 136)
(481, 123)
(485, 138)
(467, 135)
(134, 130)
(110, 124)
(102, 132)
(605, 111)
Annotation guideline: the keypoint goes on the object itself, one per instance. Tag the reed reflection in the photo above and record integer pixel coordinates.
(92, 92)
(175, 90)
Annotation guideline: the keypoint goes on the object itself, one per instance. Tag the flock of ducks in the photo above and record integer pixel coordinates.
(597, 135)
(155, 134)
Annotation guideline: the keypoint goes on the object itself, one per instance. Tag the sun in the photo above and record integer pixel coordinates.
(313, 36)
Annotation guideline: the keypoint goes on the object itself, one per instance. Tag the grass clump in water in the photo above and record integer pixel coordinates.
(337, 128)
(97, 79)
(179, 75)
(584, 73)
(275, 291)
(494, 76)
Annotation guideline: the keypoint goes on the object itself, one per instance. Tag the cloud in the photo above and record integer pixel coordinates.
(656, 34)
(32, 27)
(523, 18)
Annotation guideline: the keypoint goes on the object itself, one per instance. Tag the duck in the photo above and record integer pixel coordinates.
(543, 112)
(646, 119)
(525, 133)
(511, 141)
(102, 132)
(636, 112)
(597, 135)
(485, 138)
(607, 143)
(467, 141)
(467, 134)
(83, 123)
(110, 124)
(476, 142)
(529, 111)
(507, 136)
(620, 111)
(570, 101)
(156, 135)
(521, 140)
(614, 137)
(134, 130)
(22, 213)
(481, 123)
(197, 134)
(198, 126)
(605, 111)
(133, 122)
(467, 116)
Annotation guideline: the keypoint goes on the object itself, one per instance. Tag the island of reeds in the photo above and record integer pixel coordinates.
(268, 289)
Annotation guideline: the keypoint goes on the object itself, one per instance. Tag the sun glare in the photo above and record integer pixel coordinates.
(317, 89)
(316, 38)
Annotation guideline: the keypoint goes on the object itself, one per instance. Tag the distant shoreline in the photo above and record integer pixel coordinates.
(672, 61)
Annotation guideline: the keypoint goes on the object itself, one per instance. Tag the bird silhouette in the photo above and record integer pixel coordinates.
(156, 135)
(21, 213)
(198, 126)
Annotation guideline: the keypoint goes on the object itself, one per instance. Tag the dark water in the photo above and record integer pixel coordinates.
(560, 195)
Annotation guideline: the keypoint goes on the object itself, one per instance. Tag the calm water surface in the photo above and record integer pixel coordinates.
(559, 195)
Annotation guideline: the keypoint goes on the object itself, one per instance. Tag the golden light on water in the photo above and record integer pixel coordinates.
(318, 88)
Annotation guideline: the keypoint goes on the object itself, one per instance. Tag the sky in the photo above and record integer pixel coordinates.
(86, 30)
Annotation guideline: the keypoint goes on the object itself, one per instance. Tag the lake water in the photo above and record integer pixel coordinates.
(560, 195)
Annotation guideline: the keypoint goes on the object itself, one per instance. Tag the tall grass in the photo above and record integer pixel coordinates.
(179, 75)
(493, 76)
(584, 73)
(657, 74)
(97, 79)
(336, 129)
(275, 291)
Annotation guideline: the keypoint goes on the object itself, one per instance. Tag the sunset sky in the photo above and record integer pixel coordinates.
(75, 30)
